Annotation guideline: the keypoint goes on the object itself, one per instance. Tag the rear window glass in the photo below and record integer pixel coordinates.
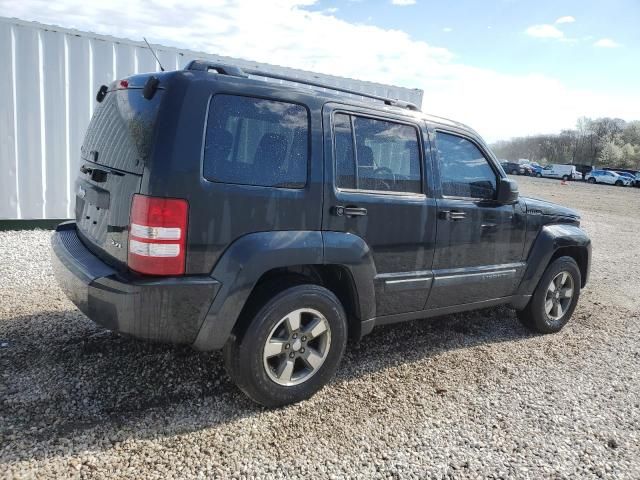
(121, 130)
(252, 141)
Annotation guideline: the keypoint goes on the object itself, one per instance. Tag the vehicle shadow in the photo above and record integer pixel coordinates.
(68, 389)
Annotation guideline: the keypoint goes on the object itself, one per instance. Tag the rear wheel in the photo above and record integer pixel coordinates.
(565, 178)
(514, 172)
(618, 183)
(291, 348)
(591, 180)
(555, 297)
(539, 175)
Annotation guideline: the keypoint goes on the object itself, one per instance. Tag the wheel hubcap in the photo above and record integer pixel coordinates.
(297, 347)
(559, 295)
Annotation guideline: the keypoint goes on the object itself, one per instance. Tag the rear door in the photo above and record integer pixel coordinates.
(375, 188)
(480, 242)
(116, 148)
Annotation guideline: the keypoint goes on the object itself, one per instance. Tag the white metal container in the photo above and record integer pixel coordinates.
(48, 82)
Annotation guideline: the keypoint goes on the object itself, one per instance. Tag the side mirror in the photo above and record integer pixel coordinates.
(507, 191)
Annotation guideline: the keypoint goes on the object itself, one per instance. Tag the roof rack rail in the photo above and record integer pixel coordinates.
(224, 69)
(221, 68)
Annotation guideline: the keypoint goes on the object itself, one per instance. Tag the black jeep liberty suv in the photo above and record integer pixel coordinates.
(274, 220)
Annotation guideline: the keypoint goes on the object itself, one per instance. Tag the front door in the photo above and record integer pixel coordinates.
(375, 189)
(479, 244)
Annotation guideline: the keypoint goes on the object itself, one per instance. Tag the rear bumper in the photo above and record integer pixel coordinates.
(160, 309)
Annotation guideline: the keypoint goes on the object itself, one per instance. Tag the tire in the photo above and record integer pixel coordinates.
(514, 172)
(591, 180)
(536, 315)
(247, 361)
(618, 183)
(539, 175)
(565, 178)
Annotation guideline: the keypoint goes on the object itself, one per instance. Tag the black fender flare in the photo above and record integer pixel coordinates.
(249, 257)
(550, 239)
(352, 252)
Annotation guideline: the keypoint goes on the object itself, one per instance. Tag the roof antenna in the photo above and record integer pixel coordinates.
(154, 54)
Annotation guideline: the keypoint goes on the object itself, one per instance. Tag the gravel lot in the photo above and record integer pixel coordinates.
(471, 395)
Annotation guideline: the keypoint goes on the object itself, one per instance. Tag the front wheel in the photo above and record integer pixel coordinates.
(555, 297)
(539, 175)
(291, 348)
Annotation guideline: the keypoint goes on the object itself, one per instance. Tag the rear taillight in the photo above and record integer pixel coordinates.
(157, 235)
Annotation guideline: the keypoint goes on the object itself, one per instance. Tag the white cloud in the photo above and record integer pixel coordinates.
(544, 31)
(566, 19)
(403, 3)
(447, 29)
(285, 32)
(606, 43)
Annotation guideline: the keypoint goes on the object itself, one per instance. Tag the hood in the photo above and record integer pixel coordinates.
(536, 206)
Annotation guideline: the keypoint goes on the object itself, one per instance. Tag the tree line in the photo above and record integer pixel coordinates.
(600, 142)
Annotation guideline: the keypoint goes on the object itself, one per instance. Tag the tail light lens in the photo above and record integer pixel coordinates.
(158, 235)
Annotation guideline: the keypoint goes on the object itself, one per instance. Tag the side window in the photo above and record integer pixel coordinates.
(252, 141)
(386, 156)
(464, 171)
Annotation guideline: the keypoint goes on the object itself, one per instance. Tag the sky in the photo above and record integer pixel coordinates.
(505, 67)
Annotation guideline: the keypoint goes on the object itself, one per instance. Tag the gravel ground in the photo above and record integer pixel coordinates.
(465, 396)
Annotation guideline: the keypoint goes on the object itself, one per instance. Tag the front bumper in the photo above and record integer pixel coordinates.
(169, 309)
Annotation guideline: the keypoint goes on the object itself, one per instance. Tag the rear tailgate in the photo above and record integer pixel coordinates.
(116, 148)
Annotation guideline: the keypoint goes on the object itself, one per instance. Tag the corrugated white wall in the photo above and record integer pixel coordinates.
(48, 81)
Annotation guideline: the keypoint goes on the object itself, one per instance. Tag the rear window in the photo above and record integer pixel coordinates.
(120, 134)
(253, 141)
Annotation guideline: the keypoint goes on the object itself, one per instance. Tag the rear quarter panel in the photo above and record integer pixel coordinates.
(220, 213)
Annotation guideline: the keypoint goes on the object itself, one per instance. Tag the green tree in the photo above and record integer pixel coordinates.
(630, 156)
(610, 154)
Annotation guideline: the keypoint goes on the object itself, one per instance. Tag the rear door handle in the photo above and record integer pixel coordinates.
(349, 211)
(452, 215)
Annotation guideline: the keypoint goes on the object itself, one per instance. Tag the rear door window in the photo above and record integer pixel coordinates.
(386, 156)
(253, 141)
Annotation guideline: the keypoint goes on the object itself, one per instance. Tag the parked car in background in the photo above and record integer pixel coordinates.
(528, 170)
(515, 168)
(564, 172)
(536, 169)
(608, 177)
(629, 176)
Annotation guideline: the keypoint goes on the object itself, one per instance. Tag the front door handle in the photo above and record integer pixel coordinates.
(452, 215)
(349, 211)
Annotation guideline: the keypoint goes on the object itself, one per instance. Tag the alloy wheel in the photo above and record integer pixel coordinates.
(297, 347)
(559, 295)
